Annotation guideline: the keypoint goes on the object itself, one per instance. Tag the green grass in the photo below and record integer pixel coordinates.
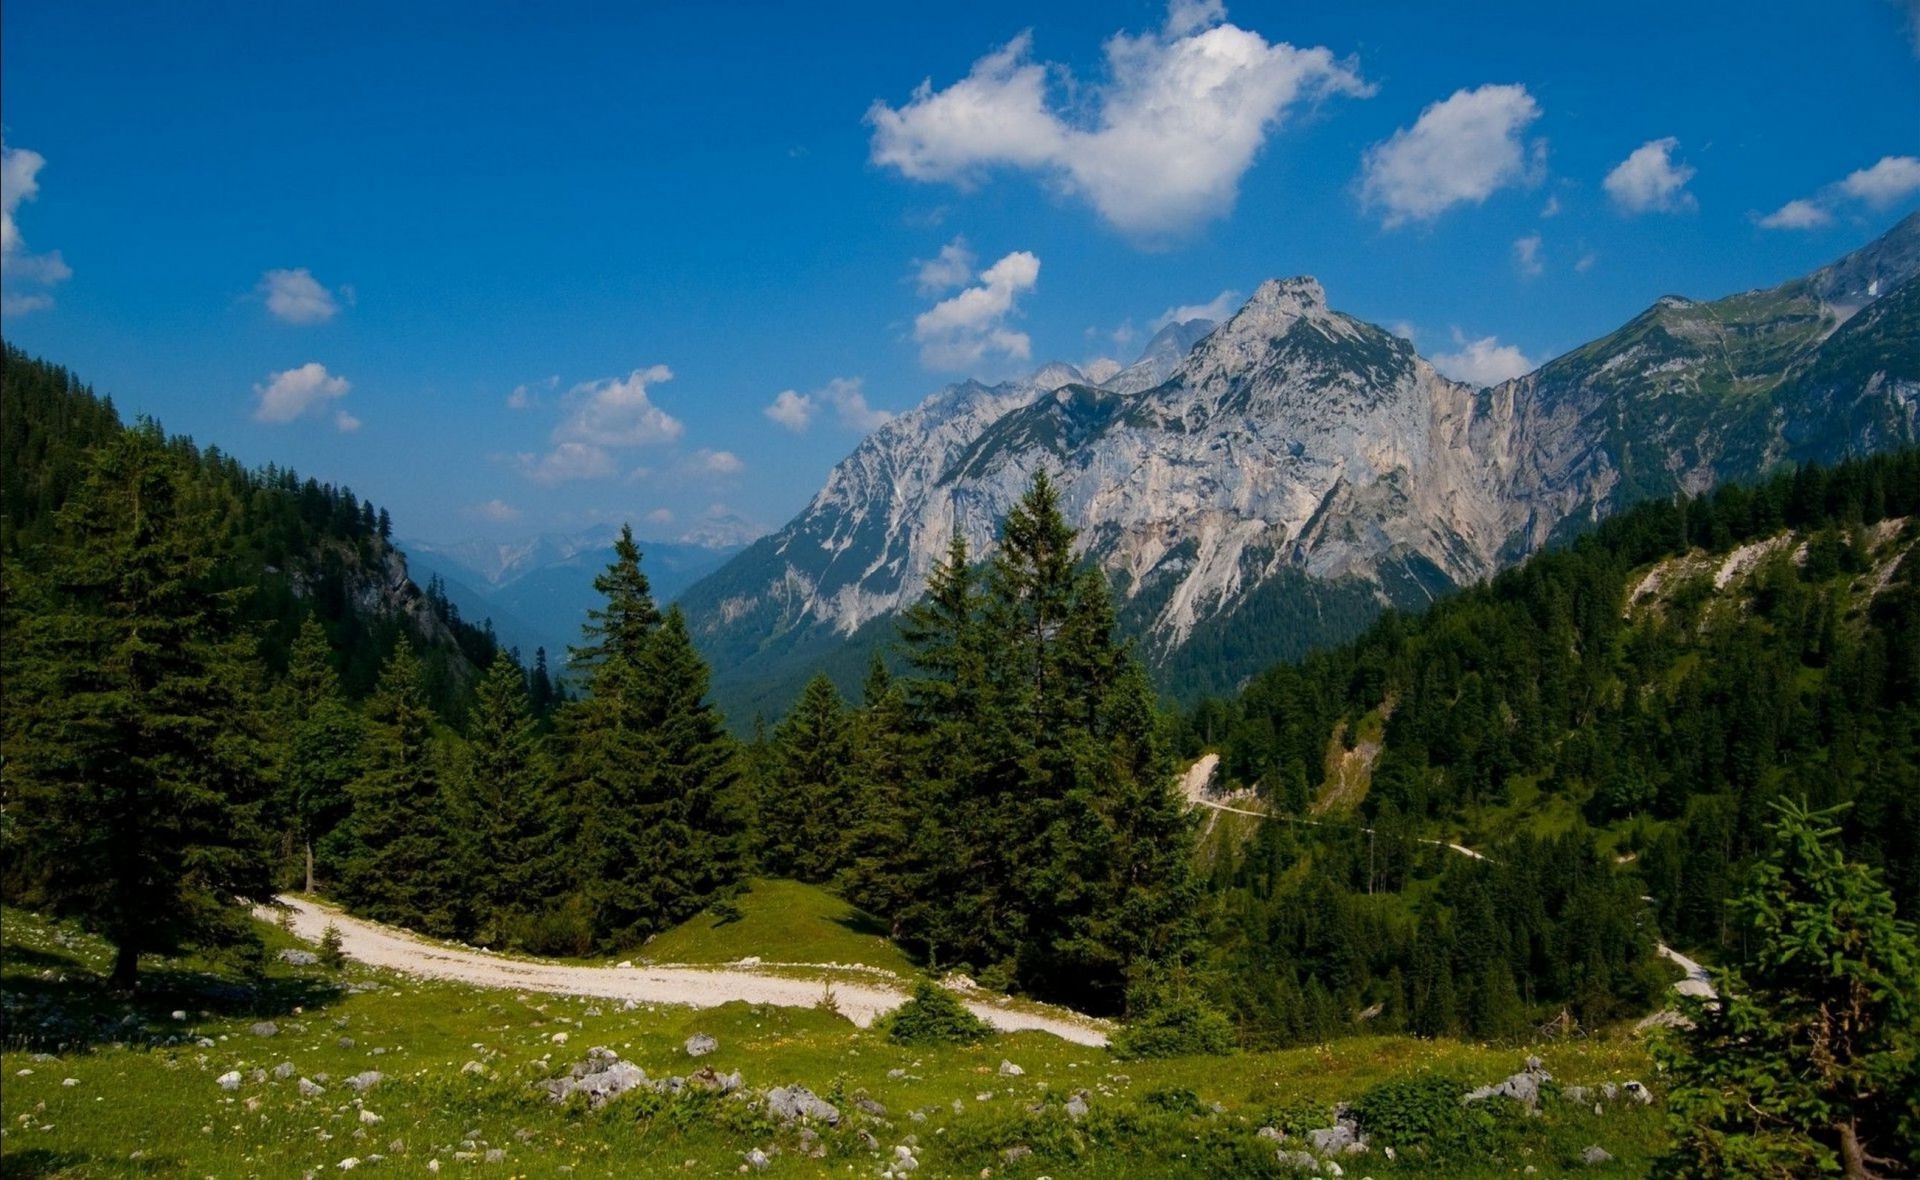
(782, 922)
(141, 1106)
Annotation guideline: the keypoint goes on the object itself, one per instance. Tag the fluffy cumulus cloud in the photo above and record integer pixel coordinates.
(1216, 309)
(598, 418)
(1890, 180)
(1157, 147)
(1526, 256)
(296, 297)
(1461, 150)
(951, 268)
(24, 272)
(1887, 182)
(844, 395)
(966, 329)
(302, 392)
(1485, 361)
(711, 462)
(1650, 180)
(1797, 214)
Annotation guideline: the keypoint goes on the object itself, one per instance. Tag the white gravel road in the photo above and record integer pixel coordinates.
(699, 987)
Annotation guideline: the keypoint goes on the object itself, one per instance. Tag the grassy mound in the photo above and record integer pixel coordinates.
(781, 922)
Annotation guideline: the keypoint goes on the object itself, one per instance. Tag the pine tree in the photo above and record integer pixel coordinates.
(1807, 1061)
(132, 740)
(617, 632)
(880, 875)
(805, 807)
(401, 865)
(324, 739)
(505, 809)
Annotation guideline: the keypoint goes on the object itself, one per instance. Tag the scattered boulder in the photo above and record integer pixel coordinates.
(1595, 1156)
(284, 1070)
(229, 1080)
(495, 1155)
(1576, 1094)
(1009, 1070)
(264, 1028)
(1273, 1133)
(474, 1067)
(371, 1119)
(602, 1077)
(1077, 1106)
(757, 1160)
(362, 1082)
(700, 1044)
(299, 958)
(1638, 1093)
(870, 1106)
(793, 1103)
(706, 1078)
(1299, 1161)
(310, 1089)
(1016, 1153)
(1522, 1087)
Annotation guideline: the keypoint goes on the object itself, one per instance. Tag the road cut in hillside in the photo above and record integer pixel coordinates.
(700, 987)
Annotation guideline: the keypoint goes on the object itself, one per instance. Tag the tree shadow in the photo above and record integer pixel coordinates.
(75, 1011)
(37, 1162)
(859, 921)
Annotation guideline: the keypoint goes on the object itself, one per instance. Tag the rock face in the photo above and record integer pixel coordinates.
(1299, 469)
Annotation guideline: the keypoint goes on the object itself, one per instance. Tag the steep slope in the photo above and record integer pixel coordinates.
(1298, 470)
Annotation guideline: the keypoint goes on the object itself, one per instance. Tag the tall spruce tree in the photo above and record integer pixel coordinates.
(134, 746)
(1808, 1062)
(324, 740)
(879, 877)
(805, 809)
(508, 821)
(401, 865)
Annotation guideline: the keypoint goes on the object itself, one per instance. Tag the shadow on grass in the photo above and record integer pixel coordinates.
(39, 1161)
(859, 921)
(77, 1011)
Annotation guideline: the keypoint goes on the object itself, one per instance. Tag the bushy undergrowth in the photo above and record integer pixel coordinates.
(1168, 1017)
(1426, 1115)
(935, 1016)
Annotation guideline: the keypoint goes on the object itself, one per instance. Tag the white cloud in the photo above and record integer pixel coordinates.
(962, 331)
(796, 411)
(567, 461)
(529, 394)
(19, 183)
(497, 510)
(345, 423)
(1888, 181)
(1650, 180)
(296, 297)
(600, 417)
(792, 410)
(1552, 207)
(1797, 214)
(1485, 361)
(295, 393)
(1156, 148)
(1463, 148)
(660, 516)
(1586, 262)
(1526, 255)
(1217, 309)
(951, 268)
(710, 462)
(1891, 179)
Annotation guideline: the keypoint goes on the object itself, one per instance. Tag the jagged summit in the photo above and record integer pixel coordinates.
(1300, 467)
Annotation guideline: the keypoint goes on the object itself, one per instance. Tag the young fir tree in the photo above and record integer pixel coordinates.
(132, 739)
(879, 877)
(1808, 1062)
(506, 810)
(805, 806)
(401, 866)
(324, 739)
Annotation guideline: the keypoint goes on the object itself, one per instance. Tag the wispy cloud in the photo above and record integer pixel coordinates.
(962, 331)
(1882, 184)
(296, 297)
(1217, 309)
(22, 269)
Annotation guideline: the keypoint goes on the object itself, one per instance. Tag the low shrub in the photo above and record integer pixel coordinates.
(1168, 1017)
(935, 1016)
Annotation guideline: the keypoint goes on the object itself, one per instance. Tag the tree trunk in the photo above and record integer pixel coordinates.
(309, 866)
(1853, 1160)
(126, 968)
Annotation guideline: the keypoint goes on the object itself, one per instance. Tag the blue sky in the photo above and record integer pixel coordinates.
(515, 268)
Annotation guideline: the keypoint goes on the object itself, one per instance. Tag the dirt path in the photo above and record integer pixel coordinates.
(699, 987)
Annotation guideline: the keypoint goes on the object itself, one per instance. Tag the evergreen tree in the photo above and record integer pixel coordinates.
(324, 739)
(880, 872)
(401, 866)
(805, 805)
(617, 632)
(1809, 1060)
(506, 812)
(132, 742)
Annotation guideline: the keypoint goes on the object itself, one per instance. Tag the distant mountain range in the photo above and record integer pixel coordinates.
(537, 591)
(1268, 485)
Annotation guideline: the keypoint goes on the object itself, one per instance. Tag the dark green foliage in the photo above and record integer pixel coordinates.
(805, 808)
(134, 758)
(935, 1016)
(508, 823)
(331, 955)
(1168, 1016)
(1809, 1062)
(322, 738)
(401, 866)
(1423, 1116)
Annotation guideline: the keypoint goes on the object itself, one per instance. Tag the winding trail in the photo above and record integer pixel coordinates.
(393, 949)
